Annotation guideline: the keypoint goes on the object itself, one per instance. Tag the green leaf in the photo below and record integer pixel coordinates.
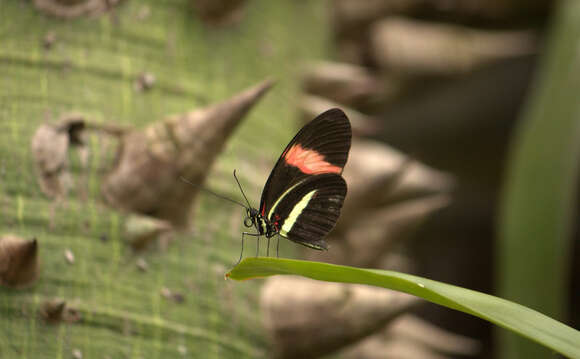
(538, 204)
(509, 315)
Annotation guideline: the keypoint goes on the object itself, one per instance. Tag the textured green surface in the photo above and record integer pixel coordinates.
(509, 315)
(91, 70)
(541, 184)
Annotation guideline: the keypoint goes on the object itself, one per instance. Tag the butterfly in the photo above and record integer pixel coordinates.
(304, 193)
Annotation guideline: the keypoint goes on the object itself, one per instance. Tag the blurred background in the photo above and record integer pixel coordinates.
(463, 169)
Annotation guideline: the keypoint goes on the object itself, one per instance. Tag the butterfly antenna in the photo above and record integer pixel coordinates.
(211, 192)
(243, 194)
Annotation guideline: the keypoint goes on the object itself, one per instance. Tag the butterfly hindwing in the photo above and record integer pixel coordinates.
(309, 210)
(320, 147)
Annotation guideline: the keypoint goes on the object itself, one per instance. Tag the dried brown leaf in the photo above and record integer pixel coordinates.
(324, 316)
(18, 261)
(146, 176)
(421, 48)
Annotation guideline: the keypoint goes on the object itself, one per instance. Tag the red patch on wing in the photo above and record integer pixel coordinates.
(309, 161)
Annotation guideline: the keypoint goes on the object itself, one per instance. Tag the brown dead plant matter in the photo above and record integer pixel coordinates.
(18, 261)
(324, 317)
(150, 162)
(50, 144)
(219, 12)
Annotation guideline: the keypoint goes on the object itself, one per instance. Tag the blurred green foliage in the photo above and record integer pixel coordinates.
(541, 186)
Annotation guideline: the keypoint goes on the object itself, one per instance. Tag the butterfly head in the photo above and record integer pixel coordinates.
(251, 217)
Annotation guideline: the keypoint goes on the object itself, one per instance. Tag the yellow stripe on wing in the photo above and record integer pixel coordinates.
(293, 216)
(280, 198)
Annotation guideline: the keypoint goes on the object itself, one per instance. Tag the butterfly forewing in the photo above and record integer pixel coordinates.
(309, 210)
(320, 147)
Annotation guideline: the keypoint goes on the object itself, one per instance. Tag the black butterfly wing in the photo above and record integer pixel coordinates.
(320, 147)
(309, 210)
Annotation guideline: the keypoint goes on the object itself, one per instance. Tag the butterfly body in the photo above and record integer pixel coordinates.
(304, 193)
(263, 225)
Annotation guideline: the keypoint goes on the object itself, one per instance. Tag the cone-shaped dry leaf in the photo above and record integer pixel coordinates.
(18, 261)
(150, 163)
(409, 337)
(307, 319)
(422, 48)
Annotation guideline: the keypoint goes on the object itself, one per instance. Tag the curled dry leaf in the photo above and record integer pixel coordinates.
(421, 48)
(18, 261)
(409, 337)
(50, 144)
(69, 9)
(324, 317)
(219, 12)
(150, 162)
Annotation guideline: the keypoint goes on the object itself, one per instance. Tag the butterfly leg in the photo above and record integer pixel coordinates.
(242, 251)
(277, 245)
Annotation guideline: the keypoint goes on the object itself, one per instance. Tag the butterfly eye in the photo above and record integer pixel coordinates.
(248, 222)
